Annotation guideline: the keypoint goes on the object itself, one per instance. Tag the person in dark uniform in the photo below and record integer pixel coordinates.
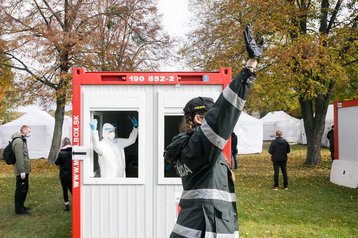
(64, 161)
(330, 137)
(234, 149)
(208, 200)
(279, 148)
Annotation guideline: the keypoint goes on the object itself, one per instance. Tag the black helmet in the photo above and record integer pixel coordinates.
(198, 104)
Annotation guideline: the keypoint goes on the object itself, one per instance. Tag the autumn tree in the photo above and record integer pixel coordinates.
(311, 46)
(8, 97)
(47, 37)
(129, 37)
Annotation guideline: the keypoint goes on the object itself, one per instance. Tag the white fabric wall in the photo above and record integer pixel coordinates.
(291, 127)
(327, 126)
(42, 125)
(249, 131)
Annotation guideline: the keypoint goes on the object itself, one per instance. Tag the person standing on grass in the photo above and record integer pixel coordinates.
(64, 161)
(234, 149)
(279, 148)
(208, 200)
(22, 169)
(330, 137)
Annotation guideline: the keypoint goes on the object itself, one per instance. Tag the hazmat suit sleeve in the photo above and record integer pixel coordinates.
(128, 141)
(96, 143)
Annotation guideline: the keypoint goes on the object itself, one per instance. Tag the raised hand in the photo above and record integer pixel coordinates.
(254, 50)
(93, 124)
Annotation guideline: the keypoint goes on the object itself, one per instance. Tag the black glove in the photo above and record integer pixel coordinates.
(254, 50)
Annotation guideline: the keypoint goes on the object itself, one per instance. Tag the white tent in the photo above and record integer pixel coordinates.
(279, 120)
(249, 134)
(42, 125)
(327, 126)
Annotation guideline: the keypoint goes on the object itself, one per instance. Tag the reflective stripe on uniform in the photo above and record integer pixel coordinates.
(193, 233)
(186, 231)
(214, 138)
(218, 235)
(209, 194)
(233, 98)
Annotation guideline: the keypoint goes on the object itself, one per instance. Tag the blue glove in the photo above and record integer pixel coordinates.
(93, 124)
(134, 121)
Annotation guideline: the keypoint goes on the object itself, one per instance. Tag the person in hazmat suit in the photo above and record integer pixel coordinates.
(111, 157)
(208, 200)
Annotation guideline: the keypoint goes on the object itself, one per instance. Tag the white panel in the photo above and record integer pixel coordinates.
(344, 172)
(347, 133)
(146, 210)
(167, 210)
(120, 210)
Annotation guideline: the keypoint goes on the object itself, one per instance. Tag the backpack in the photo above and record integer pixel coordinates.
(9, 155)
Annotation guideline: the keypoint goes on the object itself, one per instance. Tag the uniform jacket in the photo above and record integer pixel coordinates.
(111, 158)
(64, 160)
(279, 148)
(208, 201)
(19, 147)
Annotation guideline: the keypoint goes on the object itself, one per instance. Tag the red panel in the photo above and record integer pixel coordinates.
(223, 77)
(76, 165)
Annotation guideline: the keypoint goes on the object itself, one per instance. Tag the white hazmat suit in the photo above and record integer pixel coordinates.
(110, 151)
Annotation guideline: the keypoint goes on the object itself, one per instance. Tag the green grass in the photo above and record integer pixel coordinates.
(312, 207)
(44, 198)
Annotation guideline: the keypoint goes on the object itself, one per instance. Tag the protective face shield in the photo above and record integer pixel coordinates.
(108, 131)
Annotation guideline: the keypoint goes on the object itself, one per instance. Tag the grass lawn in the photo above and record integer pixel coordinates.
(312, 207)
(48, 220)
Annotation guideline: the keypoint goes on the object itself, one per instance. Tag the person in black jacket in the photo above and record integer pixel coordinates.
(279, 149)
(330, 137)
(208, 200)
(64, 161)
(234, 149)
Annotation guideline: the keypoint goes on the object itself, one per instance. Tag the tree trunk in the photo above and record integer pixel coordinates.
(57, 134)
(314, 117)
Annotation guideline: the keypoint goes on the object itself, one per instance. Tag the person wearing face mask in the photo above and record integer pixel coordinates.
(22, 168)
(110, 150)
(208, 200)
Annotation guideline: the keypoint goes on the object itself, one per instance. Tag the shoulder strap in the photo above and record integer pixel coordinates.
(15, 138)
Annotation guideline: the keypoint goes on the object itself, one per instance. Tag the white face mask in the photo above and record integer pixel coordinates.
(111, 135)
(28, 135)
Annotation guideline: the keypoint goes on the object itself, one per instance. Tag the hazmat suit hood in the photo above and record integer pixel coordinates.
(107, 128)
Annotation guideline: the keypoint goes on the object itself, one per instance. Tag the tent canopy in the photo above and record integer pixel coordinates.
(42, 125)
(249, 134)
(328, 124)
(279, 120)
